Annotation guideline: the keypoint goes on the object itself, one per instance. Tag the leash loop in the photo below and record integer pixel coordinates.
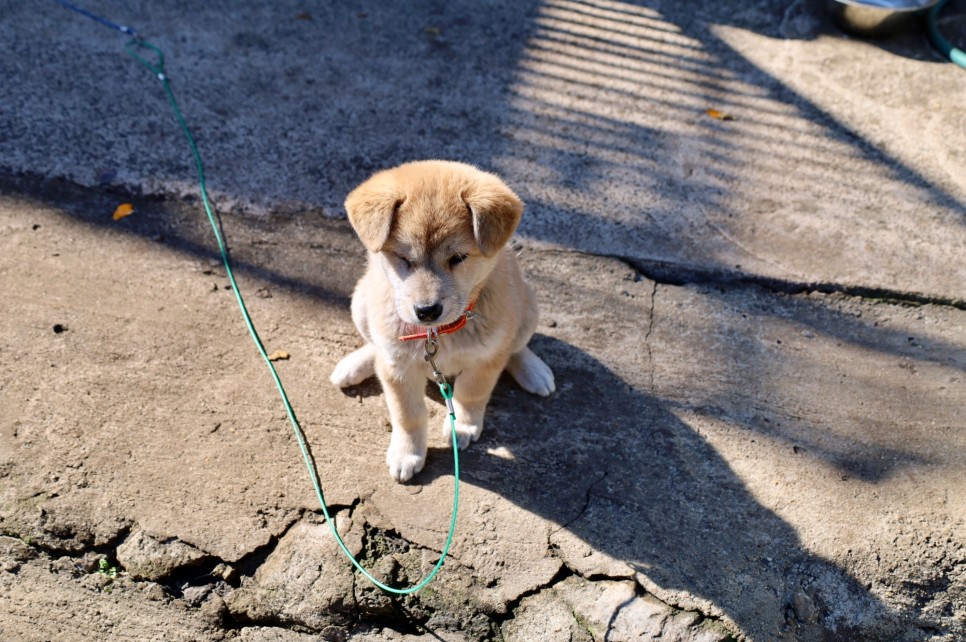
(136, 44)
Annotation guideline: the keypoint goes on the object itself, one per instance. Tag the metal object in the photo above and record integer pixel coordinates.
(432, 349)
(878, 17)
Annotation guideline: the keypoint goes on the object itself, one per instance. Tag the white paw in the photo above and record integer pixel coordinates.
(531, 373)
(405, 457)
(355, 367)
(465, 433)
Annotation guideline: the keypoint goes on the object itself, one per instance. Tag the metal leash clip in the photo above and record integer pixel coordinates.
(432, 349)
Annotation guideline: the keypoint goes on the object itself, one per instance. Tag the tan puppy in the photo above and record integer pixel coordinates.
(436, 232)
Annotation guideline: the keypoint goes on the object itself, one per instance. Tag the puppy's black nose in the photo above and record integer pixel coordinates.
(428, 313)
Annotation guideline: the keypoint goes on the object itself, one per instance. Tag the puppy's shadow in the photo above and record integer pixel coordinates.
(364, 390)
(614, 467)
(372, 388)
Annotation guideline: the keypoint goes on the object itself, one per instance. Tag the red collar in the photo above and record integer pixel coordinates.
(449, 328)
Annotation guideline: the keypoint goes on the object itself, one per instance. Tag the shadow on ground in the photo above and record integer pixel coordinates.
(622, 472)
(608, 95)
(644, 486)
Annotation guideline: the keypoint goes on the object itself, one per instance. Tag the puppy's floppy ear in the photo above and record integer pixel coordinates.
(496, 211)
(372, 207)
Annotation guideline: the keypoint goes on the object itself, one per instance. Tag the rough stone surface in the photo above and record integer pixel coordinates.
(146, 558)
(757, 325)
(44, 601)
(493, 536)
(545, 617)
(13, 553)
(304, 581)
(613, 611)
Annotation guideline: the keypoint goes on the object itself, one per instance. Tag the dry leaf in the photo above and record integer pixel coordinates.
(719, 115)
(278, 355)
(305, 15)
(433, 31)
(124, 209)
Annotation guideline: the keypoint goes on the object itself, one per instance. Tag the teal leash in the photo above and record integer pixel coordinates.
(137, 46)
(939, 41)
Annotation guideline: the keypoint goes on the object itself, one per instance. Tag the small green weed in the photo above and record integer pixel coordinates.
(104, 568)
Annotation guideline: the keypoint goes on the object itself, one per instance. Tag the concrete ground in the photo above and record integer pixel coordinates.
(757, 325)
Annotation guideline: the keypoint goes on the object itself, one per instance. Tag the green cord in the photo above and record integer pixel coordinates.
(947, 49)
(133, 47)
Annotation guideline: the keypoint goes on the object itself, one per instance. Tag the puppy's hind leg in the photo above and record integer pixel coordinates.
(355, 367)
(531, 372)
(528, 369)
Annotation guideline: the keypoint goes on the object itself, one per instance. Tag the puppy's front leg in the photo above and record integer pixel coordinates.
(471, 393)
(404, 392)
(355, 367)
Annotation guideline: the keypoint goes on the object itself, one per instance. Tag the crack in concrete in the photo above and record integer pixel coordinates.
(674, 274)
(640, 592)
(408, 616)
(583, 509)
(249, 563)
(616, 614)
(403, 618)
(108, 548)
(690, 276)
(647, 339)
(514, 604)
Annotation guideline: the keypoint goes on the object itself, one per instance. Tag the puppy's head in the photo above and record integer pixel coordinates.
(436, 227)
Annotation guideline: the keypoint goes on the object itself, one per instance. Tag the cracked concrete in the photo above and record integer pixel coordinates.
(756, 325)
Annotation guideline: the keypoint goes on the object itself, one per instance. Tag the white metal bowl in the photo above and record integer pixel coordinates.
(878, 17)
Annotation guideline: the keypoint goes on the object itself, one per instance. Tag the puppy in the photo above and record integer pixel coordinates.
(436, 233)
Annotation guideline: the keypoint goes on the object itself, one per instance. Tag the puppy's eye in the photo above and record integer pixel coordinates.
(456, 259)
(402, 259)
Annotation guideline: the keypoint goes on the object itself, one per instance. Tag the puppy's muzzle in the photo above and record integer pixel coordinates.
(428, 313)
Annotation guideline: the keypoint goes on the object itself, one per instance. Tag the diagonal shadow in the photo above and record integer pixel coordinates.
(633, 78)
(578, 102)
(609, 107)
(620, 471)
